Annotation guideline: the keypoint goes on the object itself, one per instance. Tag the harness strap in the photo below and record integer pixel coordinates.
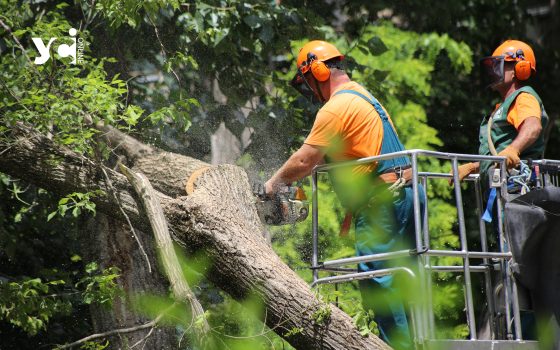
(391, 142)
(397, 181)
(504, 107)
(372, 100)
(489, 205)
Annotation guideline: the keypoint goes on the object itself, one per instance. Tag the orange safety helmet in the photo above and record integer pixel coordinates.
(520, 52)
(509, 51)
(313, 55)
(311, 58)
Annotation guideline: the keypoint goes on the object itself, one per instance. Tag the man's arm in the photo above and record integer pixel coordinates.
(298, 166)
(528, 133)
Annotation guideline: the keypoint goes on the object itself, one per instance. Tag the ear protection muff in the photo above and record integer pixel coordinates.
(319, 69)
(523, 70)
(522, 67)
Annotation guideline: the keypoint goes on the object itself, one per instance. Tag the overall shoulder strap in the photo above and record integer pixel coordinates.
(372, 100)
(391, 142)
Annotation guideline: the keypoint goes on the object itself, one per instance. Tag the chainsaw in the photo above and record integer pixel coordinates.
(287, 206)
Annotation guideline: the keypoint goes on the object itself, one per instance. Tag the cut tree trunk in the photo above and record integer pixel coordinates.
(219, 218)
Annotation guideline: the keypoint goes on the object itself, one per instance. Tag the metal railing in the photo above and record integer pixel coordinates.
(422, 316)
(548, 179)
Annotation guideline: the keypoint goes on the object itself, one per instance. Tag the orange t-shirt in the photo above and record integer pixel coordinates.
(524, 106)
(348, 127)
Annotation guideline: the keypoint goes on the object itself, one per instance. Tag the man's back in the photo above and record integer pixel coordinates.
(348, 126)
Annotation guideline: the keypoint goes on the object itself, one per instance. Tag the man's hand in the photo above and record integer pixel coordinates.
(528, 133)
(465, 170)
(298, 166)
(269, 189)
(512, 155)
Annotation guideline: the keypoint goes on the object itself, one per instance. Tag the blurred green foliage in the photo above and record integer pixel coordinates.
(27, 304)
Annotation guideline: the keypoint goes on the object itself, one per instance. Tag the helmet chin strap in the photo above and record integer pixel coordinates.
(321, 97)
(315, 91)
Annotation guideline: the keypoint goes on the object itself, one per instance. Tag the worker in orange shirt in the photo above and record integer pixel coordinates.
(516, 125)
(352, 124)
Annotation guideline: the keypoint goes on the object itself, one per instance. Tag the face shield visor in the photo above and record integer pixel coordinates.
(492, 70)
(300, 83)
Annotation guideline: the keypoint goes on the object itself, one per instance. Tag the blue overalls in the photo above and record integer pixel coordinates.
(386, 224)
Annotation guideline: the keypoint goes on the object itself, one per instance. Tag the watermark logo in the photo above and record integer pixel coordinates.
(76, 50)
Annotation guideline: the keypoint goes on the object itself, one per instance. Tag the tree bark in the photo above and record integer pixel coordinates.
(109, 242)
(219, 217)
(167, 172)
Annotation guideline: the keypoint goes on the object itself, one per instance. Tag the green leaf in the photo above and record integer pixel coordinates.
(266, 34)
(252, 21)
(62, 209)
(51, 215)
(20, 32)
(376, 46)
(91, 267)
(380, 75)
(364, 331)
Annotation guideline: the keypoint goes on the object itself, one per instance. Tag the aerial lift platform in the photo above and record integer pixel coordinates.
(504, 268)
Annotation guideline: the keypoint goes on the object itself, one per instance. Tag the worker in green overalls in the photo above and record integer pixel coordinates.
(514, 129)
(516, 125)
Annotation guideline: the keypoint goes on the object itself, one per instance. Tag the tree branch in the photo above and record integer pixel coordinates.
(164, 244)
(113, 193)
(18, 43)
(152, 323)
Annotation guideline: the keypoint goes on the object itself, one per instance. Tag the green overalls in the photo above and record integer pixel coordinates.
(503, 133)
(385, 224)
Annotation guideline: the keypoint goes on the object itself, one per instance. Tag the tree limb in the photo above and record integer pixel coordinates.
(152, 323)
(167, 172)
(164, 244)
(112, 189)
